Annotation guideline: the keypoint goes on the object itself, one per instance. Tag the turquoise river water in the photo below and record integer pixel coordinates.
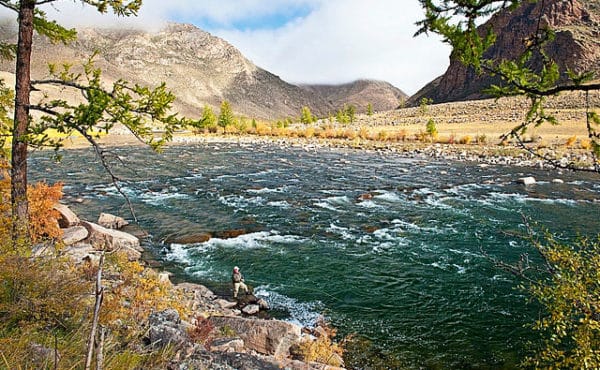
(402, 267)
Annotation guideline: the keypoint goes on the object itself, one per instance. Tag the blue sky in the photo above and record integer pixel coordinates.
(303, 41)
(272, 20)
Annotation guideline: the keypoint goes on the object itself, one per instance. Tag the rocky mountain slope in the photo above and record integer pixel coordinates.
(380, 94)
(197, 66)
(577, 45)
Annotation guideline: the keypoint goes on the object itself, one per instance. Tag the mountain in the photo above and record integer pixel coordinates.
(197, 66)
(380, 94)
(577, 46)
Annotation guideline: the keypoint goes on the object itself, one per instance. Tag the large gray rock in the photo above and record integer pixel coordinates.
(251, 309)
(66, 218)
(526, 180)
(82, 252)
(227, 345)
(268, 337)
(108, 239)
(167, 329)
(111, 221)
(75, 234)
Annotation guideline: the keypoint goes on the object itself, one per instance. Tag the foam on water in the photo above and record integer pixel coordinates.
(344, 232)
(267, 190)
(239, 202)
(279, 204)
(261, 239)
(305, 314)
(160, 198)
(387, 196)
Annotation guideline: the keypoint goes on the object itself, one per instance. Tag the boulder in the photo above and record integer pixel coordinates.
(108, 239)
(251, 309)
(526, 180)
(164, 277)
(198, 297)
(167, 329)
(227, 345)
(66, 218)
(262, 304)
(558, 181)
(82, 252)
(200, 291)
(188, 239)
(268, 337)
(111, 221)
(225, 304)
(230, 234)
(75, 234)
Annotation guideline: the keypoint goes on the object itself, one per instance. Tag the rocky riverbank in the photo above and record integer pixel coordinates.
(214, 333)
(505, 155)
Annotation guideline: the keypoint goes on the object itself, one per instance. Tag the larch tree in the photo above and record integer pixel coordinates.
(306, 116)
(226, 117)
(137, 108)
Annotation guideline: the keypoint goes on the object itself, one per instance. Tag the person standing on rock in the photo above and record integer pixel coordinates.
(238, 281)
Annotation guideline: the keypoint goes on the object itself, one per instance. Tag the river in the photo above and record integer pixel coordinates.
(390, 248)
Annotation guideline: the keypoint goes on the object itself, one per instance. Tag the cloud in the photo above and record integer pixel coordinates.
(343, 40)
(313, 41)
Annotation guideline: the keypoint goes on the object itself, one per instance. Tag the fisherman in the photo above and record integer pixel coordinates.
(238, 281)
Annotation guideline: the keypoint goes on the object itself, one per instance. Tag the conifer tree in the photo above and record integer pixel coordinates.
(306, 116)
(137, 108)
(226, 116)
(208, 118)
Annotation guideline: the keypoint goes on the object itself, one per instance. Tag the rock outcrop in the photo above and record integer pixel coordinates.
(269, 337)
(576, 47)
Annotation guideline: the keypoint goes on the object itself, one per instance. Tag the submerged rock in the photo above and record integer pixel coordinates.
(530, 180)
(188, 239)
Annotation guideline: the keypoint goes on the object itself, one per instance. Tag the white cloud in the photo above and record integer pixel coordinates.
(348, 39)
(338, 41)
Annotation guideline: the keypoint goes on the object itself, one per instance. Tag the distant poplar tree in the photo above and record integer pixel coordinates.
(306, 116)
(226, 117)
(350, 111)
(340, 117)
(208, 117)
(369, 109)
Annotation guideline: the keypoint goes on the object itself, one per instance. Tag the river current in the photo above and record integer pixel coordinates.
(390, 248)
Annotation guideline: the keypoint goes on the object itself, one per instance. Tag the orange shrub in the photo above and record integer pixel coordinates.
(571, 141)
(585, 144)
(42, 197)
(466, 139)
(42, 216)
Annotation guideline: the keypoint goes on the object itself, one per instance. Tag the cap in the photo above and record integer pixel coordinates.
(236, 268)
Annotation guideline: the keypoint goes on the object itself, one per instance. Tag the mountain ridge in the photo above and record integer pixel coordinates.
(576, 46)
(198, 67)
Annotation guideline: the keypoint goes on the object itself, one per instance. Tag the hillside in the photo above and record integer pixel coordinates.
(197, 66)
(380, 94)
(577, 46)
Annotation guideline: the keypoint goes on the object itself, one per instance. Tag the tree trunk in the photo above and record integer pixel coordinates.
(20, 208)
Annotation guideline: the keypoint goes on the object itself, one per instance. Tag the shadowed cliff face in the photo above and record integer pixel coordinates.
(577, 46)
(197, 66)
